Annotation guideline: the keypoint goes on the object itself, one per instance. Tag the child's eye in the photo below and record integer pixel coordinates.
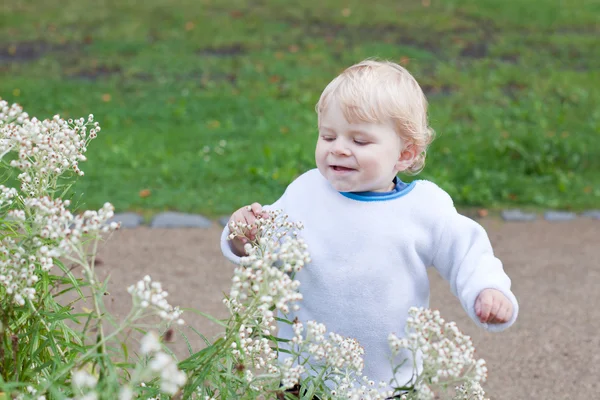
(360, 142)
(328, 138)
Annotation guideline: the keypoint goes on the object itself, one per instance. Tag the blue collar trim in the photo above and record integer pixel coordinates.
(381, 196)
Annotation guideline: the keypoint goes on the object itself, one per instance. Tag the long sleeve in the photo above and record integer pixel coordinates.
(466, 260)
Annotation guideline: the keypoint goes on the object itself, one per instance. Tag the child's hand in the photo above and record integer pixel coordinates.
(247, 215)
(493, 307)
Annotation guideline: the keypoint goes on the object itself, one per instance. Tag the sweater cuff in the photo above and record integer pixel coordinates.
(226, 247)
(493, 327)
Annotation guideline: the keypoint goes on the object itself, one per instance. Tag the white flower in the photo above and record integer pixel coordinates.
(46, 149)
(82, 379)
(150, 343)
(125, 393)
(150, 294)
(160, 361)
(171, 378)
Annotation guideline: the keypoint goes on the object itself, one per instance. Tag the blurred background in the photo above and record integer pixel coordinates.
(207, 105)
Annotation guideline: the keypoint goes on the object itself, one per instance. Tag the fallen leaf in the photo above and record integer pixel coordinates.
(346, 12)
(426, 3)
(587, 189)
(88, 39)
(16, 92)
(274, 78)
(482, 212)
(86, 310)
(236, 13)
(512, 196)
(12, 49)
(284, 129)
(213, 124)
(293, 48)
(145, 193)
(279, 55)
(106, 97)
(404, 60)
(189, 26)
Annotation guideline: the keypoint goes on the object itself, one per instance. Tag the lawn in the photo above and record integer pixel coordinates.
(209, 105)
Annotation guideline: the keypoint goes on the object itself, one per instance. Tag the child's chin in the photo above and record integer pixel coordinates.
(343, 188)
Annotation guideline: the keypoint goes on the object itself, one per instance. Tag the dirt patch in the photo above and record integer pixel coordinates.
(92, 74)
(32, 50)
(313, 27)
(510, 58)
(223, 51)
(512, 89)
(475, 50)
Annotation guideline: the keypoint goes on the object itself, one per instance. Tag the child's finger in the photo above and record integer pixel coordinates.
(507, 313)
(494, 309)
(498, 318)
(249, 218)
(256, 209)
(486, 306)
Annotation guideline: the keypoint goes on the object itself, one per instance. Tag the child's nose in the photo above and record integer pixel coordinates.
(339, 147)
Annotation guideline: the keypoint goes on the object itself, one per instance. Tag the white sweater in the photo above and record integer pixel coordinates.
(369, 258)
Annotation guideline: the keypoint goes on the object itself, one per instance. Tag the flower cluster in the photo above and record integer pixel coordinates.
(9, 114)
(46, 149)
(368, 390)
(148, 294)
(263, 284)
(84, 384)
(52, 232)
(446, 352)
(470, 390)
(7, 195)
(162, 364)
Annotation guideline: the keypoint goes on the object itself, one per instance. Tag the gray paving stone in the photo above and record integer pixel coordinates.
(180, 220)
(594, 214)
(556, 216)
(223, 221)
(518, 215)
(128, 219)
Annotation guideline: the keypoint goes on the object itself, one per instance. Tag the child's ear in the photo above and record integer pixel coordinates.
(407, 157)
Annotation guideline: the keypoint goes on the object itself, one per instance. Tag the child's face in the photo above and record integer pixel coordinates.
(358, 157)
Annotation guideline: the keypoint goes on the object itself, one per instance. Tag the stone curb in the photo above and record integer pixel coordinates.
(182, 220)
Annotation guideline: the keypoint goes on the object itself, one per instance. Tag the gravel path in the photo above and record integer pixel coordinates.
(550, 353)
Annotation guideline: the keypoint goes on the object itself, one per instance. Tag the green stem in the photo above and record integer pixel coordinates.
(314, 388)
(131, 317)
(35, 311)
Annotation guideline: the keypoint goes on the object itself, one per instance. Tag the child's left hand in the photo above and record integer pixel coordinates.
(493, 307)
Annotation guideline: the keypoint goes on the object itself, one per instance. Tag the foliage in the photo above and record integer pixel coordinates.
(199, 94)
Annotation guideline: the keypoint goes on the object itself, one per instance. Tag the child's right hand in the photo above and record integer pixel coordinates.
(248, 215)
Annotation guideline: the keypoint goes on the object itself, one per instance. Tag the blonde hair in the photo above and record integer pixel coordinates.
(376, 91)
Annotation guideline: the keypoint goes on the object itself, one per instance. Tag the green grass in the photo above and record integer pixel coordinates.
(513, 88)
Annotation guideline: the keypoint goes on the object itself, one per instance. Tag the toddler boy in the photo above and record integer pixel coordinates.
(371, 236)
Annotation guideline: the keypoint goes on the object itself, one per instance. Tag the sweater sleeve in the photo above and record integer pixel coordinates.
(466, 260)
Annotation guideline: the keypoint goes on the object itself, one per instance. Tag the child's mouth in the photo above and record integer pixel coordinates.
(339, 168)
